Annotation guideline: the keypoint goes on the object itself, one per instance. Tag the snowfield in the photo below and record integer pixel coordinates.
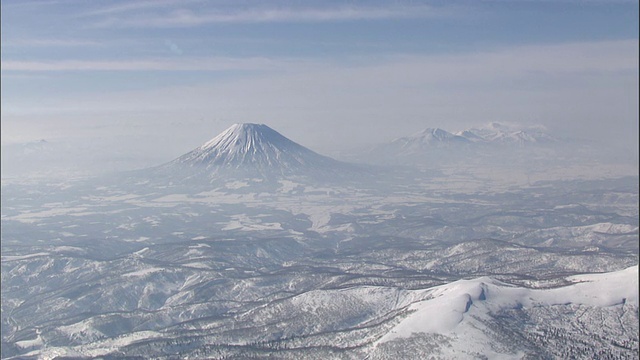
(452, 305)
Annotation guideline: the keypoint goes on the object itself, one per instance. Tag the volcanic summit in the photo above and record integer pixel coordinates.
(255, 150)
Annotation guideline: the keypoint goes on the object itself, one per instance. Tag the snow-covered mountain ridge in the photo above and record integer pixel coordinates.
(454, 305)
(486, 318)
(428, 138)
(464, 319)
(493, 133)
(499, 133)
(494, 145)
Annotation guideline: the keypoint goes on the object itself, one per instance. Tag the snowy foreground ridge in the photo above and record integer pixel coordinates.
(457, 314)
(450, 308)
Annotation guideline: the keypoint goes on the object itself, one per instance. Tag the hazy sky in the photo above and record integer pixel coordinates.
(165, 76)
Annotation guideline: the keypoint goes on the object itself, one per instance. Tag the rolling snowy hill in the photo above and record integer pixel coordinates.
(584, 316)
(461, 314)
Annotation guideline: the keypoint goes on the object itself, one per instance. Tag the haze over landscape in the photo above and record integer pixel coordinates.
(138, 83)
(319, 180)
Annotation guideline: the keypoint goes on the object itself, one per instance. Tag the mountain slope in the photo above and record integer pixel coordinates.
(584, 316)
(434, 146)
(446, 307)
(496, 133)
(254, 151)
(428, 138)
(485, 317)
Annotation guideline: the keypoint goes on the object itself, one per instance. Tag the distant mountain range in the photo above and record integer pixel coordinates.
(499, 133)
(428, 138)
(256, 151)
(435, 144)
(494, 133)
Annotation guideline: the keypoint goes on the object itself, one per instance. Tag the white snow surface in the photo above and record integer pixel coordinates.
(501, 133)
(449, 309)
(430, 137)
(492, 133)
(255, 146)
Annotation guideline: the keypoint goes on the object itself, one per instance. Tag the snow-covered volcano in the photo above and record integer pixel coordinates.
(434, 146)
(497, 133)
(429, 138)
(255, 150)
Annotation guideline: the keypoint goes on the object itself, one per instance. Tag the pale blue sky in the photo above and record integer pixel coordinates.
(328, 74)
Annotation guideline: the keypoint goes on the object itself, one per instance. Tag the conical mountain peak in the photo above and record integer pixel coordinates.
(435, 134)
(244, 138)
(249, 144)
(254, 150)
(431, 137)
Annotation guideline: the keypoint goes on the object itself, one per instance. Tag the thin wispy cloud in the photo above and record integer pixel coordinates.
(50, 43)
(571, 58)
(135, 6)
(36, 3)
(181, 64)
(196, 17)
(584, 57)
